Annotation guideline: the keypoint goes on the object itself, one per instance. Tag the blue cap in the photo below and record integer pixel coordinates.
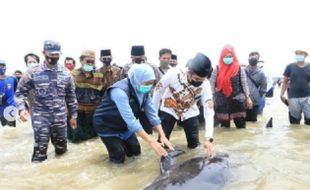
(2, 62)
(52, 46)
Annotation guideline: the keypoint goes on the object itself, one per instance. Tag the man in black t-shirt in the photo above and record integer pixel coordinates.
(298, 76)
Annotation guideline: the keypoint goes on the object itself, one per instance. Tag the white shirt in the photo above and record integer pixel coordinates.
(179, 98)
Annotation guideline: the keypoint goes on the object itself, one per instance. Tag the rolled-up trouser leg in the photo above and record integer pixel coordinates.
(306, 110)
(59, 136)
(191, 130)
(41, 130)
(295, 110)
(293, 120)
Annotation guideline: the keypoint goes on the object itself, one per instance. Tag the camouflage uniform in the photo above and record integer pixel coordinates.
(111, 74)
(53, 89)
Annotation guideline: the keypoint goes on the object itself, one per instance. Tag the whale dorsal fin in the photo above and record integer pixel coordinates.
(269, 123)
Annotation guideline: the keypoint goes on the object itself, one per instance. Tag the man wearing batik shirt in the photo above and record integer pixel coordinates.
(88, 92)
(179, 90)
(111, 73)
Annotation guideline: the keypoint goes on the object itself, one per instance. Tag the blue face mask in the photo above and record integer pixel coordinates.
(30, 65)
(145, 89)
(300, 58)
(88, 68)
(228, 60)
(2, 71)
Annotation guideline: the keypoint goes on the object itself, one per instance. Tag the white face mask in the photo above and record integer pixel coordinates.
(30, 65)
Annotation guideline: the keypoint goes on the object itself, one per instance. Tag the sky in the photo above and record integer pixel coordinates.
(272, 27)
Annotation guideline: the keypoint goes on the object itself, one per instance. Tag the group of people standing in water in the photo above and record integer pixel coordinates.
(120, 103)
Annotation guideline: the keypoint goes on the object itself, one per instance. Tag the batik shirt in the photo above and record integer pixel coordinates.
(179, 98)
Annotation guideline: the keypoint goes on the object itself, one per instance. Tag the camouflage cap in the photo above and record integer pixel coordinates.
(52, 47)
(89, 53)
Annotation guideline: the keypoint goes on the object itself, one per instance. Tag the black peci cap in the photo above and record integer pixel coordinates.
(105, 52)
(137, 50)
(201, 65)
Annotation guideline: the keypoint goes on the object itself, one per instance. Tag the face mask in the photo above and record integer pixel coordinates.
(228, 60)
(18, 78)
(145, 89)
(2, 71)
(107, 61)
(138, 60)
(30, 65)
(195, 83)
(88, 68)
(53, 60)
(253, 62)
(300, 58)
(164, 63)
(173, 65)
(70, 67)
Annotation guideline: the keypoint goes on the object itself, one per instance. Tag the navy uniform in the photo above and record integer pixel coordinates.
(53, 89)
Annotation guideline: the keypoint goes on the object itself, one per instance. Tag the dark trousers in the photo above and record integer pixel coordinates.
(190, 127)
(239, 122)
(148, 128)
(294, 120)
(118, 148)
(6, 122)
(84, 130)
(251, 115)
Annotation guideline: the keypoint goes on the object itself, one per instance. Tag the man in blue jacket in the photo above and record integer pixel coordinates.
(8, 86)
